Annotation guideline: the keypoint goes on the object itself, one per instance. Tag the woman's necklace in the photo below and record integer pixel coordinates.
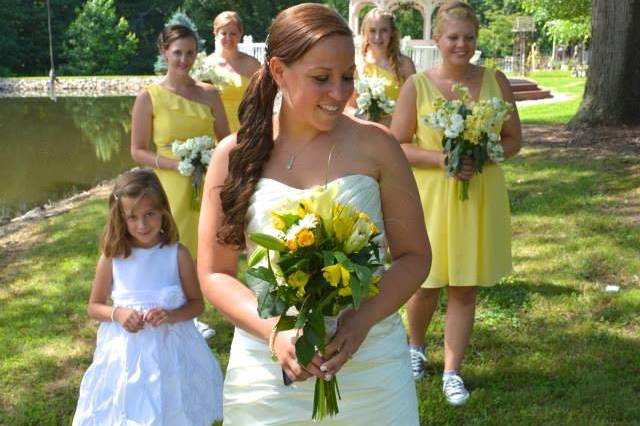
(294, 155)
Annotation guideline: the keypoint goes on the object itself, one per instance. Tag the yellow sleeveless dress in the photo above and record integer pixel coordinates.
(231, 95)
(393, 88)
(470, 240)
(178, 118)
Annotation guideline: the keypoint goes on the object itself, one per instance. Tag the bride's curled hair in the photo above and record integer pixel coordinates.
(293, 32)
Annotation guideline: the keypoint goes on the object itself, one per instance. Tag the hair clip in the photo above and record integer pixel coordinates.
(115, 196)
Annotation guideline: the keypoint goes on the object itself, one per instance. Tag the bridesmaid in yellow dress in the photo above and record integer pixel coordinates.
(177, 108)
(471, 240)
(380, 54)
(236, 67)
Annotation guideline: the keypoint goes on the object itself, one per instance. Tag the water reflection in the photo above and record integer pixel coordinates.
(51, 149)
(105, 124)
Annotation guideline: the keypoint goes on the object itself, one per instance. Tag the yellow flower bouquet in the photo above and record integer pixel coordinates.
(320, 257)
(469, 129)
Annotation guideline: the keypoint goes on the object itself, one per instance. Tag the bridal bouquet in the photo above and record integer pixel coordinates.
(205, 70)
(372, 99)
(469, 129)
(319, 257)
(195, 155)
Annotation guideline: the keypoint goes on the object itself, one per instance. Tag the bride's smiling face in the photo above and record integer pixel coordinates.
(316, 87)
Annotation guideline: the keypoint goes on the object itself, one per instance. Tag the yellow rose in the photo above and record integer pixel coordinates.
(298, 280)
(344, 291)
(332, 274)
(305, 238)
(278, 223)
(346, 276)
(373, 228)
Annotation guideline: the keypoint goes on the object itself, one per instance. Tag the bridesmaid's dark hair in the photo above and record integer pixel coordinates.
(293, 32)
(171, 33)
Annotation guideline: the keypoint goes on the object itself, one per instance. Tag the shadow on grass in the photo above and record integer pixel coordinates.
(551, 188)
(566, 375)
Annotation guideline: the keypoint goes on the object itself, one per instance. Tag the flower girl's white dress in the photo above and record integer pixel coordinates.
(163, 375)
(376, 385)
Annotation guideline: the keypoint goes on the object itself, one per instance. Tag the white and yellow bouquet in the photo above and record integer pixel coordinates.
(372, 100)
(205, 70)
(318, 258)
(195, 155)
(469, 129)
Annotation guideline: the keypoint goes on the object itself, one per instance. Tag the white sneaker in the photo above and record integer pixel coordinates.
(206, 331)
(417, 359)
(454, 391)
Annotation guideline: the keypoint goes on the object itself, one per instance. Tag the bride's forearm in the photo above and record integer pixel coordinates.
(237, 303)
(399, 282)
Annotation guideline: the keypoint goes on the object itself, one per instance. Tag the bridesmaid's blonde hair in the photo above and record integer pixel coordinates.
(227, 17)
(135, 184)
(393, 49)
(454, 11)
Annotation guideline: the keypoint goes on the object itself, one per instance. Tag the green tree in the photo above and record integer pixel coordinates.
(97, 41)
(496, 39)
(24, 44)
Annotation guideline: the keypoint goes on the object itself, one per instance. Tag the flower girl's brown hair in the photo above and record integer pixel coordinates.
(135, 184)
(292, 34)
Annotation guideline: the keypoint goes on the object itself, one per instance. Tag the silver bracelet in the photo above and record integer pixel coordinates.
(157, 161)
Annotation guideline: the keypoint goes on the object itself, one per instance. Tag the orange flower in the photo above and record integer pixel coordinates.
(305, 238)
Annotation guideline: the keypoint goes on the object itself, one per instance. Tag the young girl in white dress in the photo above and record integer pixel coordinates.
(150, 366)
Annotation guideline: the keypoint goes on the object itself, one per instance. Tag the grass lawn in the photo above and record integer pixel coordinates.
(550, 345)
(559, 82)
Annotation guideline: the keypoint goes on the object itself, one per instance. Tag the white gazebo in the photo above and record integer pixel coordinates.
(423, 52)
(425, 7)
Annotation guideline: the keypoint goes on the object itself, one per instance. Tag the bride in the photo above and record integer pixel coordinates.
(310, 143)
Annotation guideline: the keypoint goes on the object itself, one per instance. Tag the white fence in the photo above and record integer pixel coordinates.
(424, 55)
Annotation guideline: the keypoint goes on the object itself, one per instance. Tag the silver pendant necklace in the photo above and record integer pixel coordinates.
(294, 155)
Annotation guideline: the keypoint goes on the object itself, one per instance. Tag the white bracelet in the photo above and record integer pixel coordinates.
(113, 311)
(157, 161)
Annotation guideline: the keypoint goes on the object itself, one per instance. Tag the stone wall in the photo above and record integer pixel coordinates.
(74, 86)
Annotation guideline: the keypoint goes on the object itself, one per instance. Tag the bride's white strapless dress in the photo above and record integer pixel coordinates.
(376, 384)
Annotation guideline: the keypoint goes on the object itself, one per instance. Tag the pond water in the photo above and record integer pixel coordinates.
(49, 150)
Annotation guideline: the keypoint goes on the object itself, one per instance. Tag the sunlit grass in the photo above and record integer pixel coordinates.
(560, 83)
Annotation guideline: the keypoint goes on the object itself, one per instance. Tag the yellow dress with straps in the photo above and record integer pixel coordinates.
(373, 70)
(470, 240)
(178, 118)
(231, 94)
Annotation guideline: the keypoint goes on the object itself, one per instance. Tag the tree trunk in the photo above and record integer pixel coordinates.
(612, 92)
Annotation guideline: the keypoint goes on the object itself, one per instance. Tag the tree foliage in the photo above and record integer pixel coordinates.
(97, 41)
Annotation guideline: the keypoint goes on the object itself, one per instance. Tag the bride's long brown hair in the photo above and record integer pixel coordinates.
(293, 32)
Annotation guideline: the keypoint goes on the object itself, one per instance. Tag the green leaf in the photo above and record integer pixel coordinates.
(286, 323)
(364, 275)
(356, 292)
(260, 273)
(304, 350)
(261, 280)
(313, 336)
(327, 257)
(256, 256)
(268, 241)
